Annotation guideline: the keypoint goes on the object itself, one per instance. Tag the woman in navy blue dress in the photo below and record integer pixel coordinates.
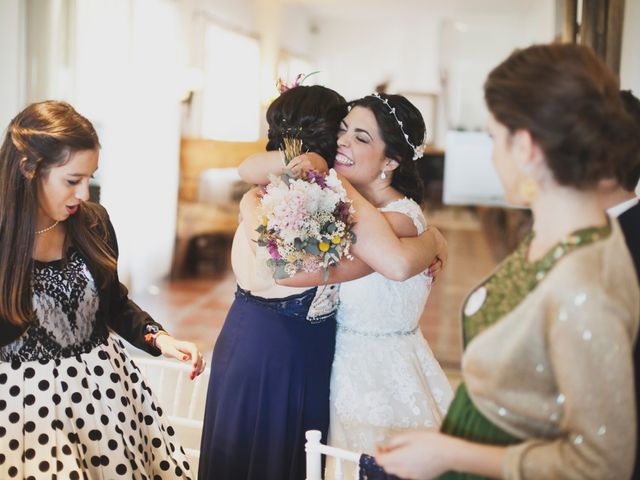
(271, 363)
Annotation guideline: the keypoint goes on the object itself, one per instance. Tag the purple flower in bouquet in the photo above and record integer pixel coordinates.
(272, 248)
(306, 223)
(316, 177)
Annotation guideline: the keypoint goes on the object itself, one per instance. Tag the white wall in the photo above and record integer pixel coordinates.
(296, 30)
(12, 92)
(275, 24)
(408, 45)
(118, 63)
(127, 73)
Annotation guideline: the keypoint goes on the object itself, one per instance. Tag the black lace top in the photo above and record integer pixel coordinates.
(65, 303)
(72, 311)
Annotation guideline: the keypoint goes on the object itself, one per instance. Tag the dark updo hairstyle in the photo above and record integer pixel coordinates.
(568, 100)
(630, 173)
(43, 136)
(405, 178)
(309, 113)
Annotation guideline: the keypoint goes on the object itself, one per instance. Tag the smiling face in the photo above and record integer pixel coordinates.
(360, 156)
(62, 189)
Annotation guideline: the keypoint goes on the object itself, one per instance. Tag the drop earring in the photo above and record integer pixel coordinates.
(383, 175)
(528, 190)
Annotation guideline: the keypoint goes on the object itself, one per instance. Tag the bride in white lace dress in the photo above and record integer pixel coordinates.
(385, 378)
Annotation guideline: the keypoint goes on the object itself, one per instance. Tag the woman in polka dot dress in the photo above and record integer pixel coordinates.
(72, 403)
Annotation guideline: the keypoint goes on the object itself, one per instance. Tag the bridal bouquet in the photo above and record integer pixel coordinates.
(306, 223)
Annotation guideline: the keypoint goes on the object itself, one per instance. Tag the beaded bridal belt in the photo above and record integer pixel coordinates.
(397, 333)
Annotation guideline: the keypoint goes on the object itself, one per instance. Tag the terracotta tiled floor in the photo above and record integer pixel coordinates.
(194, 309)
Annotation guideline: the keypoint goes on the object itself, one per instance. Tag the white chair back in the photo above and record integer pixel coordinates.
(169, 380)
(182, 399)
(315, 450)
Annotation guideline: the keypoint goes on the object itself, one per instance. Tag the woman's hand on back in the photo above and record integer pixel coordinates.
(442, 253)
(308, 161)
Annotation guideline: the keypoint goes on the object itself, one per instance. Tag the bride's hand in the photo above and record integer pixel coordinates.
(183, 351)
(442, 253)
(308, 161)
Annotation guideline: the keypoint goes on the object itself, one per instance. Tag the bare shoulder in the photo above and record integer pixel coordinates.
(405, 216)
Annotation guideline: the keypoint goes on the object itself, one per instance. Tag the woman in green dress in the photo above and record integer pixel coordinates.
(547, 390)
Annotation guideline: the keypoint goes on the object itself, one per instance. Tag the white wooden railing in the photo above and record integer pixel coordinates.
(315, 450)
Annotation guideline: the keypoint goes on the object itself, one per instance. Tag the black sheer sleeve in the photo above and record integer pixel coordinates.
(121, 314)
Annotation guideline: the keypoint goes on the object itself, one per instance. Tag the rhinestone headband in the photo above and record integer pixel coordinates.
(418, 151)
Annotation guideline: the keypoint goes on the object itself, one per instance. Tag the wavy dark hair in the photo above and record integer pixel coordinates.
(41, 137)
(569, 101)
(309, 113)
(405, 178)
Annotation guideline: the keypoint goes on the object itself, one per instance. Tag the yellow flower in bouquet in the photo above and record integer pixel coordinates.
(306, 222)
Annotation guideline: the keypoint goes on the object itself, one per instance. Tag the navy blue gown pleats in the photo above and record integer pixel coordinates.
(269, 383)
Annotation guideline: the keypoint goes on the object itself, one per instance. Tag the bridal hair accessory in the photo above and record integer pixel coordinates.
(300, 78)
(418, 151)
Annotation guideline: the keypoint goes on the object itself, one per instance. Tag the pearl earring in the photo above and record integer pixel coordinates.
(383, 175)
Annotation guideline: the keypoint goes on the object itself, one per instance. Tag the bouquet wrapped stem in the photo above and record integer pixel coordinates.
(292, 147)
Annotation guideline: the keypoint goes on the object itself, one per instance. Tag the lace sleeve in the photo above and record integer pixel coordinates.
(411, 209)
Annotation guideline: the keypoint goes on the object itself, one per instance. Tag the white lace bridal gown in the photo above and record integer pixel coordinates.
(385, 378)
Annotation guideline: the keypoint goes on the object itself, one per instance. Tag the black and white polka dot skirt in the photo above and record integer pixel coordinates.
(89, 416)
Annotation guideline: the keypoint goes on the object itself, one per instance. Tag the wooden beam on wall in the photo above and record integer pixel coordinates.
(593, 25)
(570, 25)
(615, 21)
(600, 27)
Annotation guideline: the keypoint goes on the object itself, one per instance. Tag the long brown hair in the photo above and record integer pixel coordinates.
(41, 137)
(569, 101)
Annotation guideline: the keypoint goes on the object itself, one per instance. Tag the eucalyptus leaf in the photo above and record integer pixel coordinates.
(280, 273)
(313, 249)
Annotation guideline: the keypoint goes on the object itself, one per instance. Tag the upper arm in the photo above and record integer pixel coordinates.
(379, 233)
(401, 225)
(257, 167)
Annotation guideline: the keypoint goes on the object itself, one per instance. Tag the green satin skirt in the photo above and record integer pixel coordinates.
(464, 420)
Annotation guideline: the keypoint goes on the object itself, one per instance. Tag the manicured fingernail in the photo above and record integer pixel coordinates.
(185, 357)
